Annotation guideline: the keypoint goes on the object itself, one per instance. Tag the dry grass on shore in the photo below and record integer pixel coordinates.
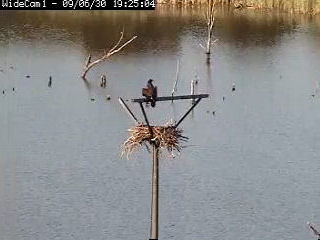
(292, 6)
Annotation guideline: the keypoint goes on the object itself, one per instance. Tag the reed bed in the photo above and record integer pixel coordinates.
(291, 6)
(166, 137)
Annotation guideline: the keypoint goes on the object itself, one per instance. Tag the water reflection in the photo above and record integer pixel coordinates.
(157, 31)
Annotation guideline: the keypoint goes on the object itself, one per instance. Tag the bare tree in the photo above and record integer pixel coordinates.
(210, 24)
(116, 48)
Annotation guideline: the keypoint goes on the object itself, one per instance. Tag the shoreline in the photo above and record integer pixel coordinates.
(308, 7)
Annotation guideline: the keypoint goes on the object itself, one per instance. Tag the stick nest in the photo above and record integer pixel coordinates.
(166, 137)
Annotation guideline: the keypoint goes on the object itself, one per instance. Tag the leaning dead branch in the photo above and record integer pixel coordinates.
(315, 231)
(167, 137)
(116, 48)
(88, 61)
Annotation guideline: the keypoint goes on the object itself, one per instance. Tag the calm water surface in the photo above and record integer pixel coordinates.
(251, 171)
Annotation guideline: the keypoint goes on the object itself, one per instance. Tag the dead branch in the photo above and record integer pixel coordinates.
(174, 89)
(315, 231)
(88, 61)
(210, 23)
(116, 48)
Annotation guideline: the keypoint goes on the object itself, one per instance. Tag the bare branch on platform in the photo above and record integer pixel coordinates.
(159, 99)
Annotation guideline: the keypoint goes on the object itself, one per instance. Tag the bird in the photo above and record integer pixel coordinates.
(13, 89)
(150, 92)
(27, 76)
(50, 81)
(233, 87)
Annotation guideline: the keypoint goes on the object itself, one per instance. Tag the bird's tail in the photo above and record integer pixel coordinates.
(153, 103)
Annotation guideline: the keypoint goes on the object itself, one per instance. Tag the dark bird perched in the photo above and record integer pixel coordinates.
(233, 87)
(50, 81)
(27, 76)
(150, 93)
(13, 89)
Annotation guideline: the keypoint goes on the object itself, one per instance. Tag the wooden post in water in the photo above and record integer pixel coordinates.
(155, 193)
(193, 83)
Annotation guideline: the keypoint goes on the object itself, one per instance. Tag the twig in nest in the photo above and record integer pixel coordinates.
(167, 137)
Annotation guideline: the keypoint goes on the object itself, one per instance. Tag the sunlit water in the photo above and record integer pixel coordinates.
(251, 171)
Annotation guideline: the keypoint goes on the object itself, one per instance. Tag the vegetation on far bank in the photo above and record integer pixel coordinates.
(292, 6)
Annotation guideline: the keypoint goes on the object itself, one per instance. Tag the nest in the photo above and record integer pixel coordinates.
(166, 137)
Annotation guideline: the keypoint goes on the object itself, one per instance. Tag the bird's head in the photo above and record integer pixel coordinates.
(150, 81)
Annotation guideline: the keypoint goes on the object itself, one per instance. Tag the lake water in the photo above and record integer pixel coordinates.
(250, 171)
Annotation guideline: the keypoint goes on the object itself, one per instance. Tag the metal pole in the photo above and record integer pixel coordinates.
(155, 193)
(146, 119)
(186, 114)
(125, 106)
